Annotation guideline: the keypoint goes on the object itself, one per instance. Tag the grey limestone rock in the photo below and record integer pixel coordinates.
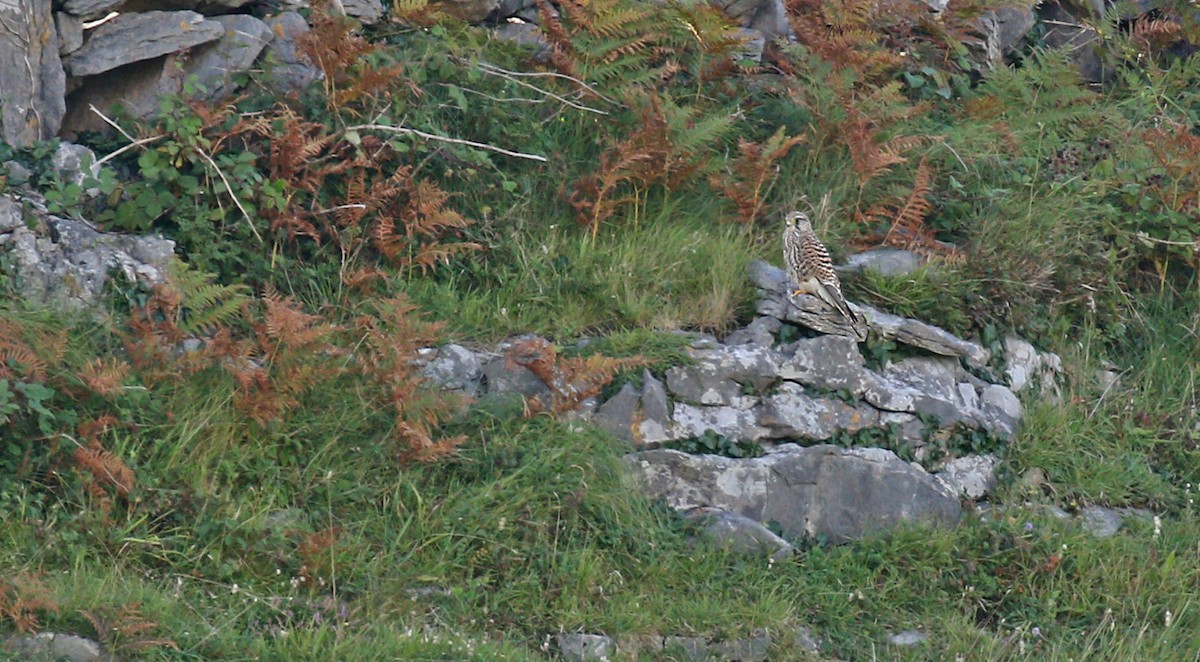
(90, 8)
(455, 368)
(973, 476)
(75, 164)
(655, 422)
(70, 32)
(216, 64)
(693, 421)
(617, 414)
(502, 377)
(908, 638)
(134, 37)
(750, 649)
(31, 73)
(822, 491)
(367, 12)
(66, 262)
(1026, 367)
(1100, 522)
(286, 67)
(792, 414)
(56, 646)
(578, 647)
(741, 534)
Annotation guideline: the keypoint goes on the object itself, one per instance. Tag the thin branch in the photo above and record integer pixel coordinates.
(511, 76)
(136, 143)
(233, 195)
(431, 136)
(549, 74)
(111, 123)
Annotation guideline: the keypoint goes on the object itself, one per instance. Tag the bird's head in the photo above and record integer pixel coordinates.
(798, 219)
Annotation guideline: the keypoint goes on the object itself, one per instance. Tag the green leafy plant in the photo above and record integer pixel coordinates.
(714, 443)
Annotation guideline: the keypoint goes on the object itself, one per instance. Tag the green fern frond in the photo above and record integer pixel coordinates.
(206, 304)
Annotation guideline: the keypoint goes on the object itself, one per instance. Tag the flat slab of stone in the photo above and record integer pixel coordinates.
(132, 38)
(825, 492)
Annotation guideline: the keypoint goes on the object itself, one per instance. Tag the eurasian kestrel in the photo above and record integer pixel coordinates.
(811, 269)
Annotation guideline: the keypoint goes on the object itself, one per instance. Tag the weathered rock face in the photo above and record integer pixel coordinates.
(825, 492)
(132, 38)
(64, 262)
(287, 68)
(31, 74)
(215, 64)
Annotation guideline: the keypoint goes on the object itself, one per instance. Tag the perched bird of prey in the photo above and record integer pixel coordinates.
(811, 270)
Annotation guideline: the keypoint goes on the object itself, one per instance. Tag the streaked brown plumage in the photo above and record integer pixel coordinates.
(811, 270)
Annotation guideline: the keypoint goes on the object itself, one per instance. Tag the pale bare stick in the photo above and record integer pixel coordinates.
(430, 136)
(511, 76)
(111, 123)
(549, 74)
(136, 143)
(233, 195)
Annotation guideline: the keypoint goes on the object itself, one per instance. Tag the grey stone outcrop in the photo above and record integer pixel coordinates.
(135, 37)
(826, 492)
(66, 262)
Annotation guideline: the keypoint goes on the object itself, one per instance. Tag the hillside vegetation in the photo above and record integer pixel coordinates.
(290, 488)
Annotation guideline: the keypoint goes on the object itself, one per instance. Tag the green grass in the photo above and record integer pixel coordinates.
(306, 538)
(531, 530)
(664, 273)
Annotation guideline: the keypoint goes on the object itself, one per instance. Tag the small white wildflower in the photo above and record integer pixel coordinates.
(1167, 619)
(503, 523)
(234, 589)
(1157, 526)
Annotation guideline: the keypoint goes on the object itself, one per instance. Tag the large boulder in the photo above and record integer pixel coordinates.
(132, 38)
(825, 492)
(31, 74)
(66, 262)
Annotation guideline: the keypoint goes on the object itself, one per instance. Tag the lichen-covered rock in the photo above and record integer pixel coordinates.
(66, 262)
(973, 476)
(825, 492)
(455, 368)
(1026, 367)
(32, 82)
(55, 646)
(367, 12)
(790, 413)
(578, 647)
(692, 421)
